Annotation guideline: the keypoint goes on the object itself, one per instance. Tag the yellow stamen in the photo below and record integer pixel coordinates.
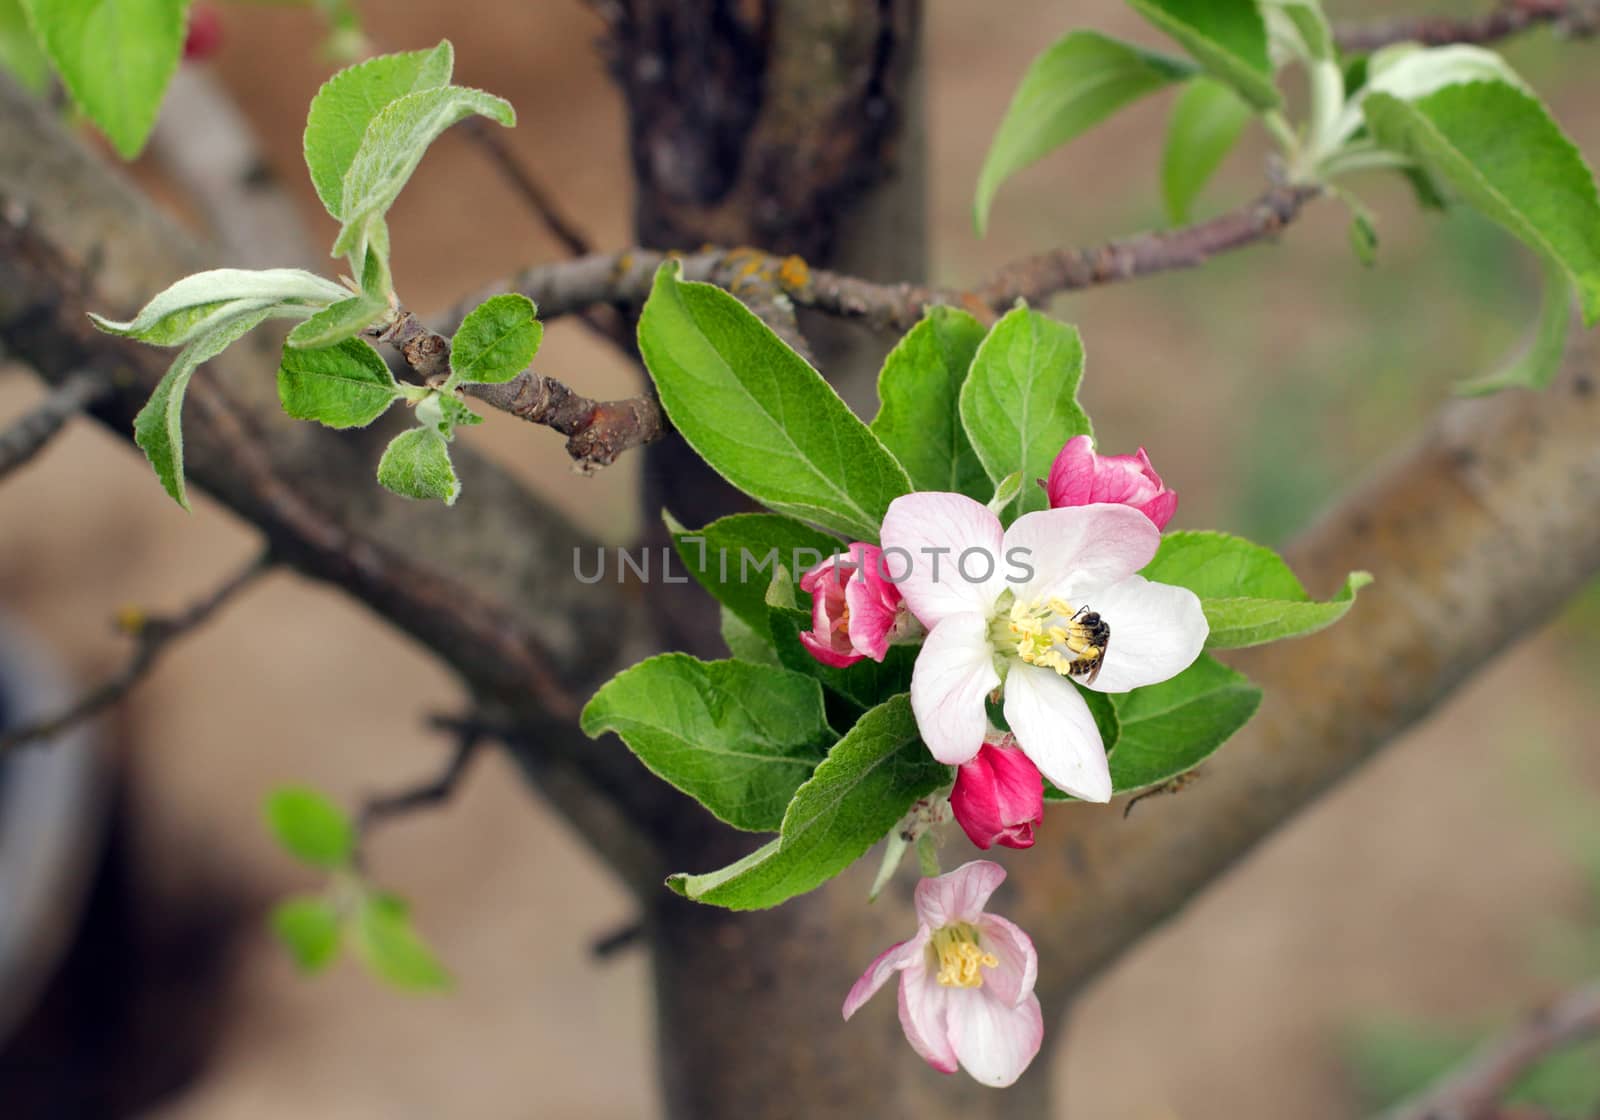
(960, 960)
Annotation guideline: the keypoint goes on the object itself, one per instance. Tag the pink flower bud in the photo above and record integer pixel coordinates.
(999, 796)
(1079, 477)
(855, 611)
(204, 37)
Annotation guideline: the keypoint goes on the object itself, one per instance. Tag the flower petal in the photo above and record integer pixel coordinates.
(1055, 728)
(1014, 977)
(924, 536)
(993, 1041)
(1076, 548)
(953, 673)
(872, 616)
(923, 1005)
(1157, 631)
(896, 957)
(959, 895)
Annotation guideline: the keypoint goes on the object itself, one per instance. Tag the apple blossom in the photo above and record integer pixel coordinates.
(1065, 604)
(998, 796)
(1080, 477)
(966, 980)
(855, 611)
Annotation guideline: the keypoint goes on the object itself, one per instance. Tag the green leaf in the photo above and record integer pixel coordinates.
(416, 464)
(1537, 366)
(1206, 123)
(920, 387)
(312, 828)
(158, 428)
(1250, 596)
(394, 143)
(1172, 727)
(496, 341)
(337, 322)
(736, 557)
(444, 413)
(343, 386)
(202, 302)
(309, 928)
(20, 53)
(1498, 148)
(1312, 37)
(865, 684)
(1364, 241)
(347, 102)
(1020, 402)
(759, 414)
(1227, 37)
(1070, 88)
(745, 643)
(867, 783)
(738, 738)
(388, 944)
(115, 57)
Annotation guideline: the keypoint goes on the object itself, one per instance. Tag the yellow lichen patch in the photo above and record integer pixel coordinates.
(794, 274)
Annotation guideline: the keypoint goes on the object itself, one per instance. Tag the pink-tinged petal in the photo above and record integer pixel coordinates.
(1055, 728)
(1160, 508)
(1157, 631)
(924, 536)
(959, 895)
(826, 653)
(953, 674)
(871, 616)
(896, 957)
(993, 1041)
(1011, 980)
(1062, 552)
(923, 1006)
(1071, 481)
(998, 797)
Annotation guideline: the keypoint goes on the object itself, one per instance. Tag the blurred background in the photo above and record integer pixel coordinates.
(1450, 884)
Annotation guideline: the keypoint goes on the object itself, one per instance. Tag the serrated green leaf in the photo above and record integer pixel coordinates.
(745, 644)
(1538, 365)
(309, 928)
(739, 738)
(1020, 402)
(337, 322)
(759, 414)
(735, 557)
(115, 58)
(1249, 595)
(920, 388)
(869, 780)
(310, 827)
(1227, 37)
(1170, 728)
(387, 943)
(347, 103)
(496, 341)
(394, 143)
(1071, 87)
(1498, 148)
(158, 428)
(1206, 122)
(20, 52)
(202, 302)
(344, 386)
(417, 465)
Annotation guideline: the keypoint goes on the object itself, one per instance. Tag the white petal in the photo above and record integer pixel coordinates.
(1014, 977)
(1076, 548)
(953, 674)
(896, 957)
(924, 536)
(993, 1041)
(923, 1013)
(1055, 729)
(1157, 631)
(959, 895)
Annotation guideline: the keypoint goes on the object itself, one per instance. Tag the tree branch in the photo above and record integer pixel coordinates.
(1475, 1090)
(1505, 20)
(26, 437)
(468, 734)
(152, 635)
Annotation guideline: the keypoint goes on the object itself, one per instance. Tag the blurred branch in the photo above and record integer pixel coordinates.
(597, 431)
(468, 735)
(624, 278)
(152, 636)
(1475, 1090)
(26, 437)
(1505, 20)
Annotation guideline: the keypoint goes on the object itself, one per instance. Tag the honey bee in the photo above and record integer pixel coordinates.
(1091, 637)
